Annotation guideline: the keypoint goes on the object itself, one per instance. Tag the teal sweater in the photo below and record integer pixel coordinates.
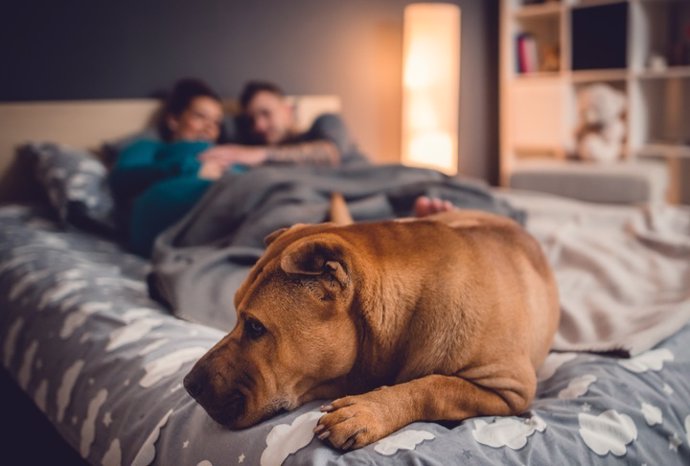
(156, 184)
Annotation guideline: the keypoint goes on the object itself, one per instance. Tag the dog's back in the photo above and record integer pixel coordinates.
(429, 275)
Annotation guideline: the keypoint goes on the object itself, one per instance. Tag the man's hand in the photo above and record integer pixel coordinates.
(229, 154)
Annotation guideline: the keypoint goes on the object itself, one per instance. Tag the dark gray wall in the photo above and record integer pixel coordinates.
(85, 49)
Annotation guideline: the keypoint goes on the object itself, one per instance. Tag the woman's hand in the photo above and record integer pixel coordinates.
(230, 154)
(211, 170)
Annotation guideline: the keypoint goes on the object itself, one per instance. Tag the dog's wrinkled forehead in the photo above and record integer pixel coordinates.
(296, 231)
(271, 237)
(268, 259)
(309, 263)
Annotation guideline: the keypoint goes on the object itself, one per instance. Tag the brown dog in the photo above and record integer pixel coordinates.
(440, 318)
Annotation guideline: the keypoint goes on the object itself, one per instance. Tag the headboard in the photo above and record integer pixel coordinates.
(88, 124)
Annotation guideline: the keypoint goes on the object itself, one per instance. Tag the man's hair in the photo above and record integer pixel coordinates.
(254, 87)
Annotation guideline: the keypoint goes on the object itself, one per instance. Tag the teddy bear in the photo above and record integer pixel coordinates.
(601, 129)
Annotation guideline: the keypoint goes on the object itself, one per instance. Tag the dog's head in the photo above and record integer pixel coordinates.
(295, 335)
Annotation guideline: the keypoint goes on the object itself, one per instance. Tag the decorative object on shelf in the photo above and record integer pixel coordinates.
(601, 130)
(431, 86)
(552, 58)
(657, 63)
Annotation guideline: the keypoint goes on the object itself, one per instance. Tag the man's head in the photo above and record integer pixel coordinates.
(271, 114)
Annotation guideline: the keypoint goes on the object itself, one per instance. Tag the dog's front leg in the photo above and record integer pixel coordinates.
(357, 421)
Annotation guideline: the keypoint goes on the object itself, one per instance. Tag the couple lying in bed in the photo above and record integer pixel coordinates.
(156, 182)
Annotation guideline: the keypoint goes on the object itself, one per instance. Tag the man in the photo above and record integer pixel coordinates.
(274, 139)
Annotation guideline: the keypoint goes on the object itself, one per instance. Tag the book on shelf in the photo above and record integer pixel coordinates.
(526, 53)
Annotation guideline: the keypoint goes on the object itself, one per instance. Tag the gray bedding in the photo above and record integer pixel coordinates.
(638, 257)
(105, 364)
(199, 263)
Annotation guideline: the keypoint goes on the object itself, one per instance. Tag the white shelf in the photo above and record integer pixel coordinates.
(665, 150)
(540, 111)
(593, 3)
(586, 76)
(539, 75)
(661, 2)
(538, 10)
(540, 153)
(671, 72)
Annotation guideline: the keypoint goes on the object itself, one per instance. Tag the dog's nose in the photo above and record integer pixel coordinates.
(193, 386)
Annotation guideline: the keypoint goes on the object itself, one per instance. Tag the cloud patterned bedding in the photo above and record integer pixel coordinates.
(104, 364)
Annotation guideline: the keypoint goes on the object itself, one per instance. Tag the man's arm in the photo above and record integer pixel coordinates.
(321, 152)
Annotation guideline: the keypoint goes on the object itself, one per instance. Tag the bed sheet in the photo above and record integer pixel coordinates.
(105, 364)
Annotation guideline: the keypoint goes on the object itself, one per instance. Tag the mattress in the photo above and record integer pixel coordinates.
(105, 363)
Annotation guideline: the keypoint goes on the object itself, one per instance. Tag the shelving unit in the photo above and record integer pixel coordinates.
(674, 72)
(637, 46)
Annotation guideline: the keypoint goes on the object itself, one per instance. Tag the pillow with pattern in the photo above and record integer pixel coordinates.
(76, 185)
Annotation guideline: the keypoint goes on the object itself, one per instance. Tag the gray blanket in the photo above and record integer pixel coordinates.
(201, 261)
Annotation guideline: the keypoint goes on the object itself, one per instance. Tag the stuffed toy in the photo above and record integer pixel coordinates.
(601, 129)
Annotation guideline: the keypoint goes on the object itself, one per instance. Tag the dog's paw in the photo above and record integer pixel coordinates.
(353, 422)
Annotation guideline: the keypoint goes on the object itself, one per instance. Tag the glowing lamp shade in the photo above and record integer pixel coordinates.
(431, 86)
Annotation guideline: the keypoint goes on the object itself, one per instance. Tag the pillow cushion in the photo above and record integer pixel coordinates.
(111, 149)
(76, 185)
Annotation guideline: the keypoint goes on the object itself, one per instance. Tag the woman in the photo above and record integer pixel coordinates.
(156, 182)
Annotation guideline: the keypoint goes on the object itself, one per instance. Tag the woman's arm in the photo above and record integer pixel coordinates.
(146, 162)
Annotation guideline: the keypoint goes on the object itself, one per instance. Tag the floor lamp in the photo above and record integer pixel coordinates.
(431, 86)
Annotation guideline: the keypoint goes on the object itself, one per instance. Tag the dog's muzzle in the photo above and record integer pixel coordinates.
(225, 409)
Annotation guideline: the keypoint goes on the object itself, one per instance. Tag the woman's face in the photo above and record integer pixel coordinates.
(199, 122)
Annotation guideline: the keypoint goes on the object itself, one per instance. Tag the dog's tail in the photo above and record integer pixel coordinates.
(340, 214)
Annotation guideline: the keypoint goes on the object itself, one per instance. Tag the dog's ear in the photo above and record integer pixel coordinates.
(272, 236)
(316, 257)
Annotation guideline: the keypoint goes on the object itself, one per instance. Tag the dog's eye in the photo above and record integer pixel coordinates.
(254, 329)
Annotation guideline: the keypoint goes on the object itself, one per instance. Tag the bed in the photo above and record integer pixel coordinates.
(103, 362)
